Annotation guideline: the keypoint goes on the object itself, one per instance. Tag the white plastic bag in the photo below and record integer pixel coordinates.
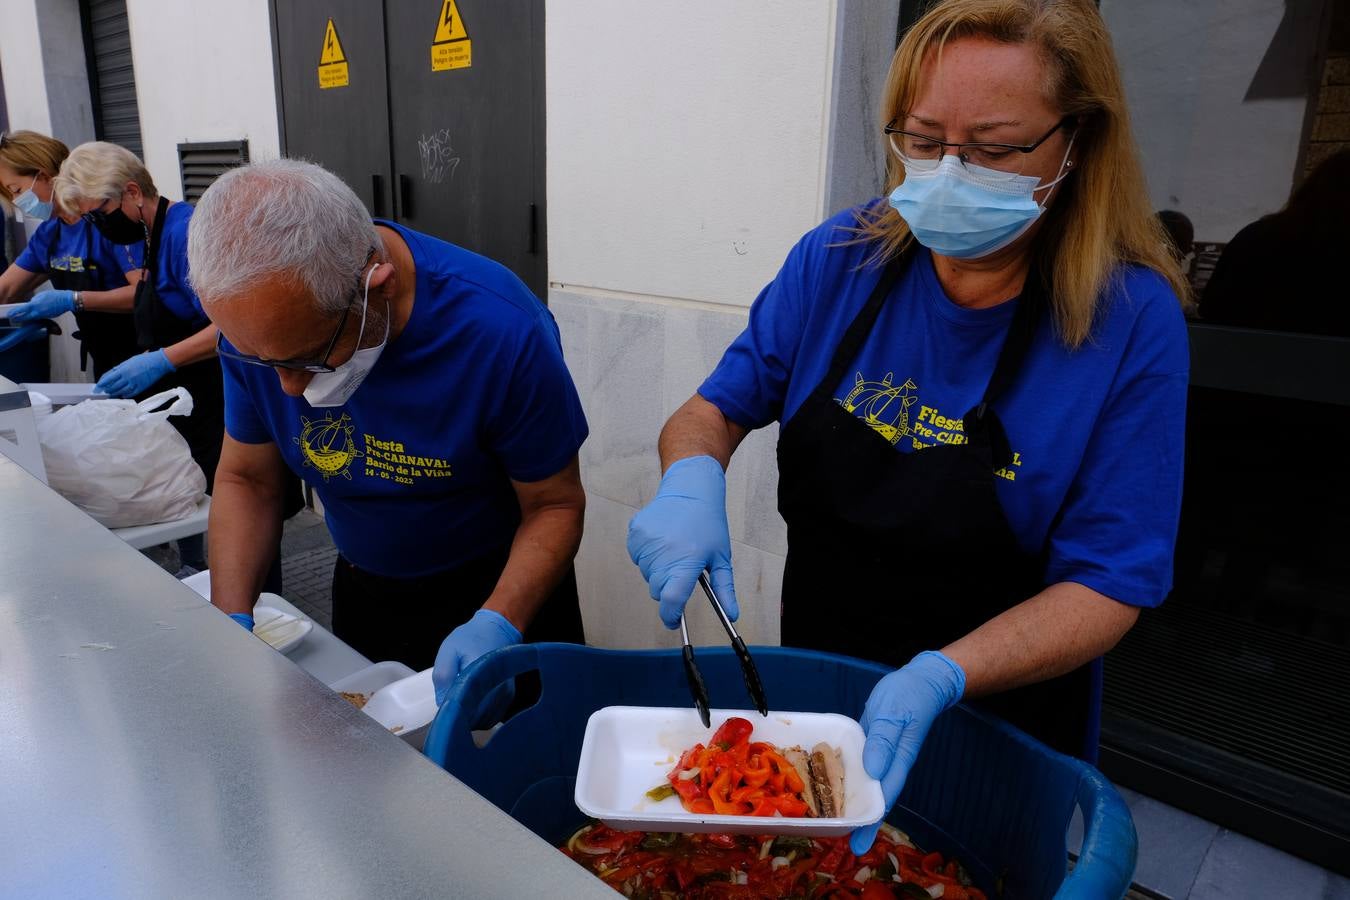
(122, 463)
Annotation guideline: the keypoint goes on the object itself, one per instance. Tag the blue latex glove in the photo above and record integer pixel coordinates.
(46, 305)
(682, 532)
(485, 632)
(902, 708)
(135, 375)
(243, 619)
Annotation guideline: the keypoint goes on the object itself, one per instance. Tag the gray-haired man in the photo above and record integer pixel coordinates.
(420, 389)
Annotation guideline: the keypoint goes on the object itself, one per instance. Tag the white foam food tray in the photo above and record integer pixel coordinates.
(396, 697)
(628, 750)
(281, 630)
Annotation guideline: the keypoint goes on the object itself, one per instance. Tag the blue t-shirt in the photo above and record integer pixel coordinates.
(415, 469)
(1097, 433)
(171, 278)
(58, 247)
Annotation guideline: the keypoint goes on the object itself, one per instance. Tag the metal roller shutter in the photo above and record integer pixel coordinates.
(112, 80)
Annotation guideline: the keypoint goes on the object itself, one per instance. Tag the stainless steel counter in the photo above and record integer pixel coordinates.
(150, 747)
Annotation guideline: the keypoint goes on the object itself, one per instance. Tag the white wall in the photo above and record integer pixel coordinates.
(1211, 151)
(21, 59)
(43, 93)
(686, 141)
(688, 149)
(203, 73)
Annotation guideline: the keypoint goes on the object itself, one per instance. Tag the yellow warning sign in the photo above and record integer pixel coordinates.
(332, 61)
(451, 47)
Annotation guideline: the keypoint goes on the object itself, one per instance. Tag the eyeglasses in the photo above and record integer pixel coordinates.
(299, 365)
(923, 152)
(97, 217)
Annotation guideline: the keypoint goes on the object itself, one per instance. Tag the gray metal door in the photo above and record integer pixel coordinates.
(333, 91)
(112, 80)
(466, 107)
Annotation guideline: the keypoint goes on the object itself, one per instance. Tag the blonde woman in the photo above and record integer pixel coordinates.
(112, 190)
(981, 381)
(90, 276)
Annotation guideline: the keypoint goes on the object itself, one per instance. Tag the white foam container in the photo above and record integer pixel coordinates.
(281, 630)
(373, 677)
(628, 750)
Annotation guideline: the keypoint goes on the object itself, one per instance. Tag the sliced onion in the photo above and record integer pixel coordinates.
(577, 845)
(576, 836)
(689, 774)
(896, 836)
(780, 861)
(766, 848)
(936, 890)
(864, 874)
(895, 863)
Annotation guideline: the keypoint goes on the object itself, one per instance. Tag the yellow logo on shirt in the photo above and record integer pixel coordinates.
(882, 405)
(327, 445)
(392, 461)
(886, 409)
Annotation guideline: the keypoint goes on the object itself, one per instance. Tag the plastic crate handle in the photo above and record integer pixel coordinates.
(1110, 844)
(22, 334)
(454, 722)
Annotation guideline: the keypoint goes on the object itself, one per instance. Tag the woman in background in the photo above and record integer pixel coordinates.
(90, 276)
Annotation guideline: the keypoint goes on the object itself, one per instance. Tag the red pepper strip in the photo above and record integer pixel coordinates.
(791, 806)
(720, 794)
(722, 840)
(689, 790)
(875, 890)
(747, 794)
(764, 806)
(702, 806)
(757, 772)
(733, 731)
(792, 782)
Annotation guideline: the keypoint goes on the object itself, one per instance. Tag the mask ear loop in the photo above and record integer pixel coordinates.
(365, 307)
(1065, 170)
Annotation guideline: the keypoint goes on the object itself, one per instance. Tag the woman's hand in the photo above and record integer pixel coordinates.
(902, 708)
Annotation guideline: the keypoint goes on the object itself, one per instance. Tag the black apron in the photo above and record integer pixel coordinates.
(893, 553)
(107, 338)
(157, 327)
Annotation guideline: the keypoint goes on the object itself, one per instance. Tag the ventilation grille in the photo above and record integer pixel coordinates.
(201, 164)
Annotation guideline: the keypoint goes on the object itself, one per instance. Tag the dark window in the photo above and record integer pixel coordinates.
(1232, 700)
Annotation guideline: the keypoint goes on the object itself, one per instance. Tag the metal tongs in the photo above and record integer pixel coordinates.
(697, 687)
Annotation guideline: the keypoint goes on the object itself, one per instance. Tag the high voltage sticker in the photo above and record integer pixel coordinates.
(333, 61)
(451, 47)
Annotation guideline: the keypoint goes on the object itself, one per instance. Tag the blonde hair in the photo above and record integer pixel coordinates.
(30, 153)
(99, 171)
(1101, 217)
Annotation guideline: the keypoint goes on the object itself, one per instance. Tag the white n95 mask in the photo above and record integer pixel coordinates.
(336, 387)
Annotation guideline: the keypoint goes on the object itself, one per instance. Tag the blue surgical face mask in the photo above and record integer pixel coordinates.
(965, 211)
(31, 207)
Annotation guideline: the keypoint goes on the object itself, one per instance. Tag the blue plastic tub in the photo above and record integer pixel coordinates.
(23, 352)
(982, 790)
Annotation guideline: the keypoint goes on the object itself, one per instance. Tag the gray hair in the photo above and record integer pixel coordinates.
(99, 171)
(283, 218)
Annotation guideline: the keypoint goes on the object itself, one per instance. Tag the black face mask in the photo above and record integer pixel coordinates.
(117, 227)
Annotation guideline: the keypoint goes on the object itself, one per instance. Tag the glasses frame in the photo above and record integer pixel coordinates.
(97, 216)
(295, 365)
(890, 129)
